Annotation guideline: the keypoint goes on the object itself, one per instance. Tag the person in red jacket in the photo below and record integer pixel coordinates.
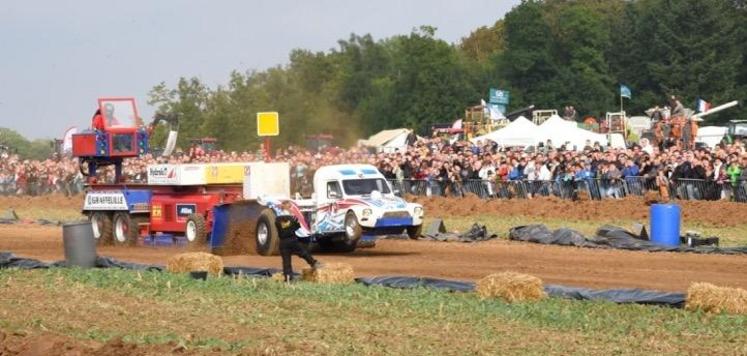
(98, 121)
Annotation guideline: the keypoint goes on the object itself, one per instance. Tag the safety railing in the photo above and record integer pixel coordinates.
(592, 188)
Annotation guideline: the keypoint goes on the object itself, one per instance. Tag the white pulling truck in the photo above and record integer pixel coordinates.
(349, 202)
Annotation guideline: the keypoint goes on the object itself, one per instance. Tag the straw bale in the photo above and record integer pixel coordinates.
(715, 299)
(511, 287)
(332, 273)
(195, 261)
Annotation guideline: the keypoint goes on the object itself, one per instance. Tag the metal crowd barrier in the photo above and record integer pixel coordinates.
(595, 189)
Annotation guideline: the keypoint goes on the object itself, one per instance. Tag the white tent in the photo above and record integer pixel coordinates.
(388, 140)
(561, 131)
(711, 135)
(520, 132)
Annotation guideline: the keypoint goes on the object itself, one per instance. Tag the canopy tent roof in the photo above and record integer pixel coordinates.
(520, 132)
(387, 138)
(560, 132)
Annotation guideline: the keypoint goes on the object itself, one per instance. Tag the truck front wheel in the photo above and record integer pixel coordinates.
(266, 234)
(353, 233)
(414, 231)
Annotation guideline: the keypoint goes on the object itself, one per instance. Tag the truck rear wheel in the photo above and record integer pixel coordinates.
(101, 223)
(126, 230)
(196, 230)
(266, 234)
(414, 231)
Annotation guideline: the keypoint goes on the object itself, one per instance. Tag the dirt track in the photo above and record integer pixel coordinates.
(563, 265)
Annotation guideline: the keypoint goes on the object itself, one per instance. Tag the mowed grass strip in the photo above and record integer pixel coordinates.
(270, 317)
(500, 225)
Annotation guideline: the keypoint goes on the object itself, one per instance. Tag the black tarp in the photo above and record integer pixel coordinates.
(251, 271)
(622, 296)
(8, 260)
(108, 262)
(607, 237)
(402, 282)
(476, 233)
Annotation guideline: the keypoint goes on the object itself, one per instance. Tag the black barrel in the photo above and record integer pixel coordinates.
(80, 246)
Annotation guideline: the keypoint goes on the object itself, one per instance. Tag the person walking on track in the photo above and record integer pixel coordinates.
(287, 225)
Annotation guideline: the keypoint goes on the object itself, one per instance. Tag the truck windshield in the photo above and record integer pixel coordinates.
(365, 186)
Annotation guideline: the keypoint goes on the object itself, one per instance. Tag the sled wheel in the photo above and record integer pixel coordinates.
(101, 223)
(195, 230)
(126, 230)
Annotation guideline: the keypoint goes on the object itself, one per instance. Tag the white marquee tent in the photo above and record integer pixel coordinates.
(711, 135)
(560, 131)
(520, 132)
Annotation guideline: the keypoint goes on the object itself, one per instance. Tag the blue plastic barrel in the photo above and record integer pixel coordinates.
(665, 224)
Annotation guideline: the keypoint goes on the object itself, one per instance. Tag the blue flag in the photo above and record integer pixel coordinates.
(625, 91)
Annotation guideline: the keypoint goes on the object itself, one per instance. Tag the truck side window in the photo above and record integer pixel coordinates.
(333, 190)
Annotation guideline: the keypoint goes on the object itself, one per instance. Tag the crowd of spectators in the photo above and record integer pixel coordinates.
(439, 167)
(31, 177)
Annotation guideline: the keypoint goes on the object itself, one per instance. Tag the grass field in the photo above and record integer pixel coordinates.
(267, 317)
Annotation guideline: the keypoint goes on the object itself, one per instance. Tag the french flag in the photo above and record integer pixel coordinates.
(703, 105)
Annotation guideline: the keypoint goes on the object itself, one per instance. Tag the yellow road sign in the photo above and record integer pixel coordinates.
(268, 124)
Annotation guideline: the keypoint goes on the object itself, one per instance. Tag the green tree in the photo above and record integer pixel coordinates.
(37, 149)
(188, 100)
(694, 50)
(527, 64)
(484, 42)
(429, 84)
(581, 43)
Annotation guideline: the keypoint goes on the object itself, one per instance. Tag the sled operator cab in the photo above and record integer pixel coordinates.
(117, 132)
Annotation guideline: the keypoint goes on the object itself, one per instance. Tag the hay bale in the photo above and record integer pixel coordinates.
(715, 299)
(332, 273)
(511, 287)
(195, 261)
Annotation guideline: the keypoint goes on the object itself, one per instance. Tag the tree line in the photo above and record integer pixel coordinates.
(548, 53)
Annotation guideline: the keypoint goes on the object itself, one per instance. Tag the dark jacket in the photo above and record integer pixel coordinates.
(287, 226)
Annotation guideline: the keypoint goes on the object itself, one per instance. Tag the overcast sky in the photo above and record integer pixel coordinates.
(58, 56)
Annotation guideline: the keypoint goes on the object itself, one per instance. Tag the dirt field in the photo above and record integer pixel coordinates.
(562, 265)
(710, 213)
